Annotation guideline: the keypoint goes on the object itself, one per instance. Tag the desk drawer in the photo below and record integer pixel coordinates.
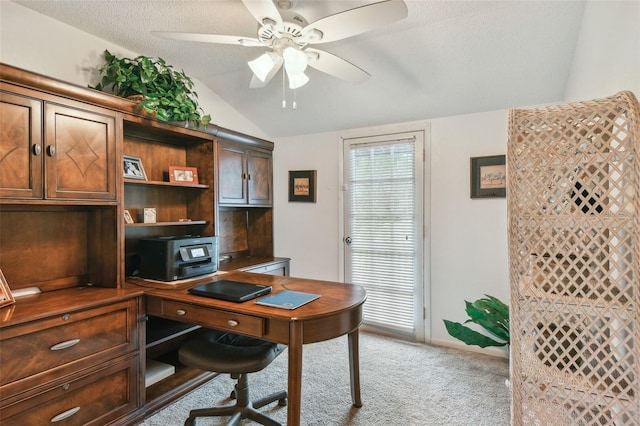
(91, 336)
(208, 317)
(96, 398)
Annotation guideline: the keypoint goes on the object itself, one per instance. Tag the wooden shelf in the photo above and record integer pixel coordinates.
(162, 183)
(142, 225)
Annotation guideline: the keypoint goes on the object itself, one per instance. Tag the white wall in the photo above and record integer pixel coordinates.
(308, 232)
(467, 236)
(607, 55)
(40, 44)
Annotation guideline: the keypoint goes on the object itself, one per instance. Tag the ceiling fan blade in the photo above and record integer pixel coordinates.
(337, 67)
(209, 38)
(256, 83)
(356, 21)
(261, 9)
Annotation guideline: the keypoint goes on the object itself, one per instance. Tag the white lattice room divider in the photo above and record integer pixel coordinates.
(573, 197)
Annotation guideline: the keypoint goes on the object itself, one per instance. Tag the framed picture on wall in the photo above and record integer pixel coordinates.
(302, 185)
(488, 176)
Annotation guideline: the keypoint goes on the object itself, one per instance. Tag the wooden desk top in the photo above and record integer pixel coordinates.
(338, 310)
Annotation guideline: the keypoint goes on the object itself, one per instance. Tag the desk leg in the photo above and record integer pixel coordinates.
(354, 367)
(295, 373)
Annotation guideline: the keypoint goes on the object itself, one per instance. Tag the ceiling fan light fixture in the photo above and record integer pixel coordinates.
(262, 65)
(295, 60)
(297, 80)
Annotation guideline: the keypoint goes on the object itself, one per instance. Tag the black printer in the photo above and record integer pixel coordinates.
(177, 257)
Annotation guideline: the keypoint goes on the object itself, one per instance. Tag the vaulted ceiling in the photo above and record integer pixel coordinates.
(446, 58)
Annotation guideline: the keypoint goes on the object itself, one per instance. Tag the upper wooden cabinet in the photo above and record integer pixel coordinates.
(80, 153)
(245, 175)
(74, 158)
(20, 147)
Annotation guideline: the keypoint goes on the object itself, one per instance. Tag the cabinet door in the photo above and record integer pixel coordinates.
(232, 174)
(20, 147)
(259, 178)
(80, 153)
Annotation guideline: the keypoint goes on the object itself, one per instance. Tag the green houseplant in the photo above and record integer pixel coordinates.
(165, 92)
(489, 313)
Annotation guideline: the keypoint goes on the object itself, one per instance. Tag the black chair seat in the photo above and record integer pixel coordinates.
(228, 353)
(237, 355)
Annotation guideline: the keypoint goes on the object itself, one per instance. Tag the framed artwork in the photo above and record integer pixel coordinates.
(133, 168)
(127, 217)
(149, 215)
(302, 185)
(6, 298)
(488, 177)
(183, 175)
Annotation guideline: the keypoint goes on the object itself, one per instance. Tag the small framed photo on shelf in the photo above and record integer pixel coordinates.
(133, 168)
(149, 215)
(6, 298)
(127, 217)
(488, 177)
(302, 185)
(183, 175)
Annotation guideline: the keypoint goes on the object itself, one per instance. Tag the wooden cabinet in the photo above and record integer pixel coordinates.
(80, 153)
(79, 364)
(73, 158)
(245, 175)
(245, 214)
(277, 266)
(21, 143)
(97, 398)
(72, 353)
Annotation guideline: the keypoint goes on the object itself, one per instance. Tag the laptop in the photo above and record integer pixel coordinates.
(232, 291)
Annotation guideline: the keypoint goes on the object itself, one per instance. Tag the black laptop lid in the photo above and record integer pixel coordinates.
(233, 291)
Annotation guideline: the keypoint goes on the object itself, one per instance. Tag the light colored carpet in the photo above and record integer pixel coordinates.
(402, 383)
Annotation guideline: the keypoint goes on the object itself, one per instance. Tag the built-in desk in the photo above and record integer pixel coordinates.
(337, 312)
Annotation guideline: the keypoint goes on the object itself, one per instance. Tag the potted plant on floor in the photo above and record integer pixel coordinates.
(164, 92)
(489, 313)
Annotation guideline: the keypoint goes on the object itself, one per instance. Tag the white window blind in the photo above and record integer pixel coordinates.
(382, 220)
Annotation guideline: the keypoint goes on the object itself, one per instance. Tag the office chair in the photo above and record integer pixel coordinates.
(236, 355)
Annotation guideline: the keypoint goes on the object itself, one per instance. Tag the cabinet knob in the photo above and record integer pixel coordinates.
(37, 149)
(64, 345)
(65, 415)
(233, 323)
(51, 150)
(181, 312)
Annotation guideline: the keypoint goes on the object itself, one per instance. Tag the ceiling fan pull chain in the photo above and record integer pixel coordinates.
(284, 98)
(294, 99)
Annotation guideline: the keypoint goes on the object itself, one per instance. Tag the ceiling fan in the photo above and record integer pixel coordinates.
(287, 36)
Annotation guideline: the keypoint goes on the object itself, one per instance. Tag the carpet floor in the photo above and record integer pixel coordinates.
(402, 383)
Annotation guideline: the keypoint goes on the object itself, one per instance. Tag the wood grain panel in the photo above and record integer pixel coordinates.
(20, 135)
(43, 246)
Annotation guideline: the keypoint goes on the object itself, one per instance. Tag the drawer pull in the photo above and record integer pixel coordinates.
(64, 345)
(181, 312)
(65, 415)
(233, 323)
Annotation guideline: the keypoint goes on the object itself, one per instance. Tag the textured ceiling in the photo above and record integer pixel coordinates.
(447, 58)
